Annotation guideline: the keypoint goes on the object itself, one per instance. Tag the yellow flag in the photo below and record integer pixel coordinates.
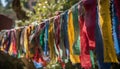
(105, 24)
(74, 58)
(51, 41)
(26, 42)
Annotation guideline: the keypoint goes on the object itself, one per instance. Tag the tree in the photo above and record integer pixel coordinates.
(20, 13)
(43, 9)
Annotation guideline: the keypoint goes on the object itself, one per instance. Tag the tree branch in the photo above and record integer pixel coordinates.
(20, 13)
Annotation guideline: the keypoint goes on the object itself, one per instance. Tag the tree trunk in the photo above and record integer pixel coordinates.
(20, 13)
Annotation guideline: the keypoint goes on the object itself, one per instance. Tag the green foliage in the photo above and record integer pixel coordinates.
(69, 3)
(46, 8)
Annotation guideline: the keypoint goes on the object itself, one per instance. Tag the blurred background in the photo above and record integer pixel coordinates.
(24, 12)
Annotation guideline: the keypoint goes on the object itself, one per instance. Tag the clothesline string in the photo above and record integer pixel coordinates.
(45, 19)
(64, 11)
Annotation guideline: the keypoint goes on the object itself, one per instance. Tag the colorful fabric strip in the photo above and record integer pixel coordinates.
(115, 24)
(71, 36)
(76, 47)
(117, 20)
(87, 22)
(105, 24)
(99, 47)
(46, 38)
